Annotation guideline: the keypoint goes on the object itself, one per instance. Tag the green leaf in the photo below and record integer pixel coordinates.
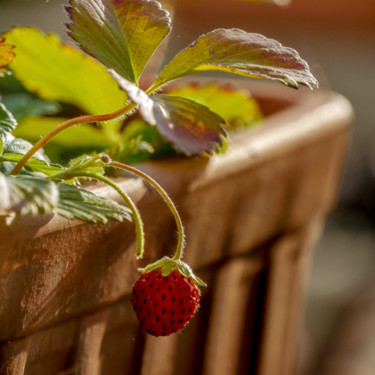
(10, 84)
(168, 265)
(21, 146)
(7, 124)
(121, 34)
(60, 72)
(5, 140)
(25, 104)
(7, 167)
(93, 164)
(137, 95)
(33, 164)
(236, 106)
(7, 121)
(85, 163)
(27, 195)
(75, 203)
(135, 147)
(191, 127)
(94, 136)
(141, 142)
(6, 56)
(33, 195)
(239, 52)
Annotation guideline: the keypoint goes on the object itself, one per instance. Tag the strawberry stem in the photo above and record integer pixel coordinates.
(129, 202)
(74, 121)
(180, 228)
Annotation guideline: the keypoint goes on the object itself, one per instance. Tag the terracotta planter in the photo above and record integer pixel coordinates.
(251, 215)
(326, 11)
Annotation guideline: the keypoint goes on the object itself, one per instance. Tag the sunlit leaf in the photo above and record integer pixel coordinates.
(236, 106)
(27, 195)
(34, 127)
(34, 195)
(239, 52)
(70, 143)
(121, 34)
(75, 203)
(60, 72)
(6, 55)
(191, 127)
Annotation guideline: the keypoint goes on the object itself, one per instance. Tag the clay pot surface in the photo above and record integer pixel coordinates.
(251, 216)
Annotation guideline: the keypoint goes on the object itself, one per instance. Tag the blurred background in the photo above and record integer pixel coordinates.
(337, 38)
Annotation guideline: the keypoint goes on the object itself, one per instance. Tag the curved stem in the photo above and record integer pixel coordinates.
(136, 215)
(74, 121)
(180, 228)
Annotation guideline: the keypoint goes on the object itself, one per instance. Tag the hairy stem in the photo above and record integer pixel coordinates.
(180, 228)
(152, 89)
(129, 202)
(74, 121)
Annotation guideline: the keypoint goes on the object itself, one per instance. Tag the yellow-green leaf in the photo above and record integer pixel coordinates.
(190, 127)
(121, 34)
(239, 52)
(34, 127)
(61, 72)
(236, 106)
(6, 55)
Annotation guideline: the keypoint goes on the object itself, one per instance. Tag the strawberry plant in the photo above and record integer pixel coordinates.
(126, 122)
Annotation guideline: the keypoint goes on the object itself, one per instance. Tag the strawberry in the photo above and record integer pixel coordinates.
(165, 300)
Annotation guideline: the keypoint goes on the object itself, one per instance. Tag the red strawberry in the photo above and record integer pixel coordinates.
(164, 304)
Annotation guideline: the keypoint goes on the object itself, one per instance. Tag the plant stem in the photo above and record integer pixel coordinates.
(74, 121)
(136, 215)
(180, 228)
(152, 89)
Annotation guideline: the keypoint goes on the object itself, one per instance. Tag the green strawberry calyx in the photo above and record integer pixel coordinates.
(167, 265)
